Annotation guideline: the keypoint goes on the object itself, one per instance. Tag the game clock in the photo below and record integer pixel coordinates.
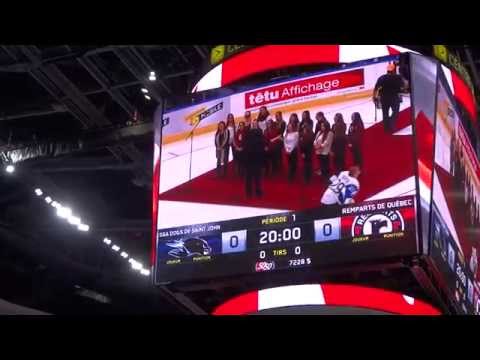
(284, 241)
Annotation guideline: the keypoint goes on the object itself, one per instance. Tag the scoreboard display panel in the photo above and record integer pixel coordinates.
(288, 240)
(332, 181)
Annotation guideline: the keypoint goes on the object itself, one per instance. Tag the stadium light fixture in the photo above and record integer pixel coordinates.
(145, 272)
(48, 199)
(115, 247)
(137, 265)
(64, 212)
(145, 91)
(38, 192)
(148, 97)
(10, 169)
(107, 241)
(124, 254)
(74, 220)
(83, 227)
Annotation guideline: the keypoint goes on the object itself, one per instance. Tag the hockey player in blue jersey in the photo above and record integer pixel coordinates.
(343, 188)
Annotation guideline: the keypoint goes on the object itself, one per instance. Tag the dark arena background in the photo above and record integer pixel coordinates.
(345, 179)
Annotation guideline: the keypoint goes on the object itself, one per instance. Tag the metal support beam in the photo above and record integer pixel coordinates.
(140, 70)
(32, 114)
(62, 89)
(200, 51)
(89, 64)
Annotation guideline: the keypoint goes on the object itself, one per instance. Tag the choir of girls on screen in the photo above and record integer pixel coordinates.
(259, 144)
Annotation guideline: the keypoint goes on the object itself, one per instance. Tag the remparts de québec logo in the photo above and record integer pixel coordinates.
(378, 224)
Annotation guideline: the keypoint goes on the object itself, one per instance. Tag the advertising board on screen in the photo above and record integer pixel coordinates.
(304, 172)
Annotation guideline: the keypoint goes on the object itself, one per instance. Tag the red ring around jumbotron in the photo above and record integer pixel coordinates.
(333, 295)
(269, 57)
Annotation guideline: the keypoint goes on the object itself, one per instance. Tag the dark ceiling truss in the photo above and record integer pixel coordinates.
(75, 101)
(138, 66)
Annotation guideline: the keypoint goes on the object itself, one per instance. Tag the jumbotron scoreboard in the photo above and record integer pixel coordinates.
(322, 236)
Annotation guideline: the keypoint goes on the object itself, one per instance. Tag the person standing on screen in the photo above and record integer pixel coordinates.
(323, 145)
(320, 117)
(291, 149)
(281, 124)
(294, 121)
(263, 114)
(248, 119)
(274, 144)
(343, 188)
(339, 145)
(221, 147)
(254, 159)
(306, 149)
(238, 148)
(231, 134)
(306, 120)
(387, 93)
(355, 136)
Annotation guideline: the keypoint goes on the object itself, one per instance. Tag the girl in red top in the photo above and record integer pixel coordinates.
(274, 143)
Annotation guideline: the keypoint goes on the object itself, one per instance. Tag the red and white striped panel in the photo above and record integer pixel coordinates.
(325, 294)
(270, 57)
(461, 91)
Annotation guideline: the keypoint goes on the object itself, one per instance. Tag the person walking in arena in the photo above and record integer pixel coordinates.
(387, 95)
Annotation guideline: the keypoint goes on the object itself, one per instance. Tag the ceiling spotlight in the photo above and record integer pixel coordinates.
(83, 227)
(152, 73)
(39, 192)
(145, 272)
(136, 265)
(115, 248)
(107, 241)
(48, 199)
(55, 204)
(74, 220)
(10, 169)
(148, 97)
(145, 91)
(64, 212)
(124, 254)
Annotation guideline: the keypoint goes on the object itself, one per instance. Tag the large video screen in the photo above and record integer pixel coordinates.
(456, 205)
(311, 171)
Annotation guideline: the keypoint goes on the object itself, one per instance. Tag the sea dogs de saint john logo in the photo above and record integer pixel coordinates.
(189, 247)
(377, 224)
